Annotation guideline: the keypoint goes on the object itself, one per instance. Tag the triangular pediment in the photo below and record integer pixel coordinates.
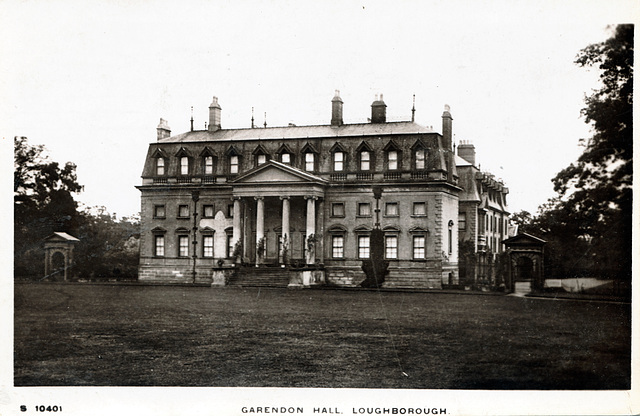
(524, 239)
(273, 171)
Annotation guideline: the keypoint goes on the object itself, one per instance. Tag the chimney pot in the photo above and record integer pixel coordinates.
(378, 111)
(336, 110)
(214, 115)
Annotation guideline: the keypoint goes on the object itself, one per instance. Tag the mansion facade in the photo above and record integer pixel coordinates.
(299, 201)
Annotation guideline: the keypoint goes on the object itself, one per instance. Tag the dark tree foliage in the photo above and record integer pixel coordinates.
(595, 192)
(44, 203)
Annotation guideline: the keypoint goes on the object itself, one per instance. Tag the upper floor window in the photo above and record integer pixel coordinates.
(207, 246)
(285, 158)
(391, 209)
(160, 166)
(392, 159)
(363, 246)
(419, 246)
(338, 161)
(159, 211)
(183, 211)
(462, 221)
(364, 209)
(309, 162)
(208, 165)
(207, 211)
(262, 159)
(420, 155)
(365, 160)
(234, 164)
(337, 209)
(184, 165)
(420, 209)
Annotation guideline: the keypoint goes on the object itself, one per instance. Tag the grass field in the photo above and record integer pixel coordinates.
(101, 335)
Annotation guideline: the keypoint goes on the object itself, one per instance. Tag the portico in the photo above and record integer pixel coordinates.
(280, 205)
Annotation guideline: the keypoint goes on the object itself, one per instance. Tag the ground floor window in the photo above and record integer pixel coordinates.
(207, 246)
(391, 247)
(337, 246)
(363, 246)
(158, 248)
(419, 246)
(183, 246)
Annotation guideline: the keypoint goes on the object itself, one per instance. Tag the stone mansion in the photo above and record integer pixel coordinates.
(296, 204)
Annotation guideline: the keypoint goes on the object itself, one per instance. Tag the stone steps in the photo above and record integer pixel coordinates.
(260, 277)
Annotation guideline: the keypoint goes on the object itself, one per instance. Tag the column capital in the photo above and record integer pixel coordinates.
(285, 197)
(258, 198)
(236, 198)
(310, 197)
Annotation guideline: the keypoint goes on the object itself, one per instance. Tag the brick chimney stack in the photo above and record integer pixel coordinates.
(215, 112)
(336, 110)
(378, 110)
(447, 122)
(467, 151)
(163, 129)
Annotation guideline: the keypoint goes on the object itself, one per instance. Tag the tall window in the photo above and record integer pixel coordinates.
(159, 245)
(420, 159)
(207, 246)
(419, 246)
(160, 166)
(208, 165)
(184, 165)
(363, 246)
(338, 161)
(229, 245)
(392, 156)
(183, 246)
(391, 247)
(233, 164)
(365, 160)
(364, 209)
(309, 162)
(337, 246)
(285, 158)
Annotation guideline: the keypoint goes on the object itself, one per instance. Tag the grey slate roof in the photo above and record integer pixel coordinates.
(297, 132)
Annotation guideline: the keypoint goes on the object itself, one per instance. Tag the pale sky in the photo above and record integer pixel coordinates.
(90, 80)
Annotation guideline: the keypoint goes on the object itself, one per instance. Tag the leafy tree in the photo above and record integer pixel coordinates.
(595, 192)
(43, 203)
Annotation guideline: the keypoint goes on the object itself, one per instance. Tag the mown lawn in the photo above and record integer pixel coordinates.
(101, 335)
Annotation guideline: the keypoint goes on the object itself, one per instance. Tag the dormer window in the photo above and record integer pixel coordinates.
(262, 159)
(420, 155)
(309, 162)
(234, 164)
(184, 165)
(338, 161)
(285, 158)
(160, 166)
(365, 160)
(392, 159)
(208, 165)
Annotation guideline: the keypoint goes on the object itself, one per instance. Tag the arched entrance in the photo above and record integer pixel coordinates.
(526, 271)
(58, 259)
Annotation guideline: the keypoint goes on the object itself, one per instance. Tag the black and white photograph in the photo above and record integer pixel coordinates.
(307, 208)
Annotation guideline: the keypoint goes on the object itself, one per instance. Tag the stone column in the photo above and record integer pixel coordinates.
(286, 237)
(236, 221)
(259, 226)
(311, 228)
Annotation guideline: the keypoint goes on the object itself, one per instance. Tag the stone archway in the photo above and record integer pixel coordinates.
(526, 265)
(58, 259)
